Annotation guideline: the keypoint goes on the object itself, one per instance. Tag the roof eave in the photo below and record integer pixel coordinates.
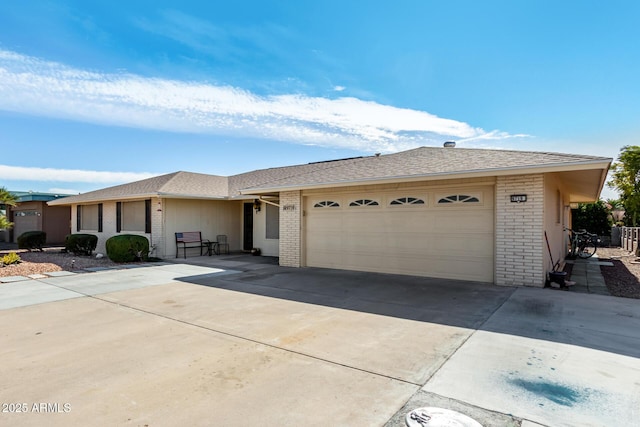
(597, 190)
(63, 202)
(482, 173)
(190, 196)
(74, 201)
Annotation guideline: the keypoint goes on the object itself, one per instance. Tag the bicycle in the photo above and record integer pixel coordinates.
(582, 243)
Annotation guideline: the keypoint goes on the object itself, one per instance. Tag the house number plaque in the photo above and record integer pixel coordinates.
(518, 198)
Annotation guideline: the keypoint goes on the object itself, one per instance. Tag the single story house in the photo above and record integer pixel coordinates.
(469, 214)
(33, 214)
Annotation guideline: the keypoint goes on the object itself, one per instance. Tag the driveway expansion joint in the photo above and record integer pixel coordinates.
(241, 337)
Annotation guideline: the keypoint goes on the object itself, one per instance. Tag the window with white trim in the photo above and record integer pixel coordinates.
(364, 202)
(404, 201)
(327, 204)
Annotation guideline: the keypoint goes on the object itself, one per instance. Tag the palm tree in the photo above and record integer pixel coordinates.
(6, 199)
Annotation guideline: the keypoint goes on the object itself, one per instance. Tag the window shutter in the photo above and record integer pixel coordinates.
(99, 217)
(118, 217)
(147, 216)
(78, 217)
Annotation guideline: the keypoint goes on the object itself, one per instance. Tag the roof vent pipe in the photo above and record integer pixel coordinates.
(449, 144)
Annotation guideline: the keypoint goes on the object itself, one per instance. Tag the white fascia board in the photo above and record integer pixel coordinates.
(91, 200)
(516, 170)
(189, 196)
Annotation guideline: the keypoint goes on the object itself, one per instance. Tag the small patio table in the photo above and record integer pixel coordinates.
(213, 247)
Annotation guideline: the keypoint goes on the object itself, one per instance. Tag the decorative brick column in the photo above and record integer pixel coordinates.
(290, 228)
(520, 231)
(157, 227)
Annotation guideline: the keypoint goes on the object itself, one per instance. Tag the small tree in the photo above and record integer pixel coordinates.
(593, 217)
(6, 199)
(626, 179)
(616, 211)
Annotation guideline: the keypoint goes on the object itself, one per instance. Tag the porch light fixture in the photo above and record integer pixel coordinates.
(256, 205)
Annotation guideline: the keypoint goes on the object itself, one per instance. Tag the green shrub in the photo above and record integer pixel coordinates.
(10, 258)
(32, 240)
(81, 244)
(127, 248)
(593, 217)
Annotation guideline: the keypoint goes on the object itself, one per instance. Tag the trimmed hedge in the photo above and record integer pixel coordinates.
(32, 240)
(81, 244)
(127, 248)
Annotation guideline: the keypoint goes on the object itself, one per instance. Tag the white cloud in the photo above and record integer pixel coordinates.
(19, 173)
(34, 86)
(339, 88)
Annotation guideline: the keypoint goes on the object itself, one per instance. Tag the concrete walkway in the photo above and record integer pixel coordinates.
(587, 276)
(254, 343)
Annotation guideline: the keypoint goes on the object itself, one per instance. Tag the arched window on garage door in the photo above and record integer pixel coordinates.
(458, 198)
(404, 201)
(327, 204)
(364, 202)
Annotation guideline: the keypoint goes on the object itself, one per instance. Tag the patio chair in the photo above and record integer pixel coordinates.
(223, 245)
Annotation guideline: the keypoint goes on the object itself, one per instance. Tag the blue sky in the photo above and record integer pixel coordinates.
(96, 93)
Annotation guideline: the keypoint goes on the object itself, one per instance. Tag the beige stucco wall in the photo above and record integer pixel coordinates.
(169, 216)
(56, 222)
(268, 247)
(520, 231)
(211, 217)
(556, 217)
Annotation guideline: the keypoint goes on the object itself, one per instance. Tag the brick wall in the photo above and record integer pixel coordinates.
(108, 225)
(290, 228)
(520, 231)
(157, 228)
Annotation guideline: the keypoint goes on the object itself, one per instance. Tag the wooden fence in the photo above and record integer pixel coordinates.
(630, 238)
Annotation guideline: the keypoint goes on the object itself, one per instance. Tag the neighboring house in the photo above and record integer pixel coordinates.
(33, 214)
(469, 214)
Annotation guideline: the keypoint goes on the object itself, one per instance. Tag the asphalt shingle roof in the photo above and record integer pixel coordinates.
(423, 161)
(186, 184)
(427, 161)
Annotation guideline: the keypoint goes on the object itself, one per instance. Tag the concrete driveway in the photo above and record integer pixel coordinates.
(246, 344)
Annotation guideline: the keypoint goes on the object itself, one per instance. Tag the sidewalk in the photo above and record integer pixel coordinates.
(587, 276)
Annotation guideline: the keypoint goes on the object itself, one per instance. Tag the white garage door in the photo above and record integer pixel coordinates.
(446, 233)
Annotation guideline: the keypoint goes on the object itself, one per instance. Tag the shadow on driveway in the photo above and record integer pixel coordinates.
(449, 302)
(592, 321)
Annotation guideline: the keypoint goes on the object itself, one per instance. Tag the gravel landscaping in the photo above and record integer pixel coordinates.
(51, 259)
(623, 279)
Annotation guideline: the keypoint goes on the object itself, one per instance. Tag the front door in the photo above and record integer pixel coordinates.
(247, 244)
